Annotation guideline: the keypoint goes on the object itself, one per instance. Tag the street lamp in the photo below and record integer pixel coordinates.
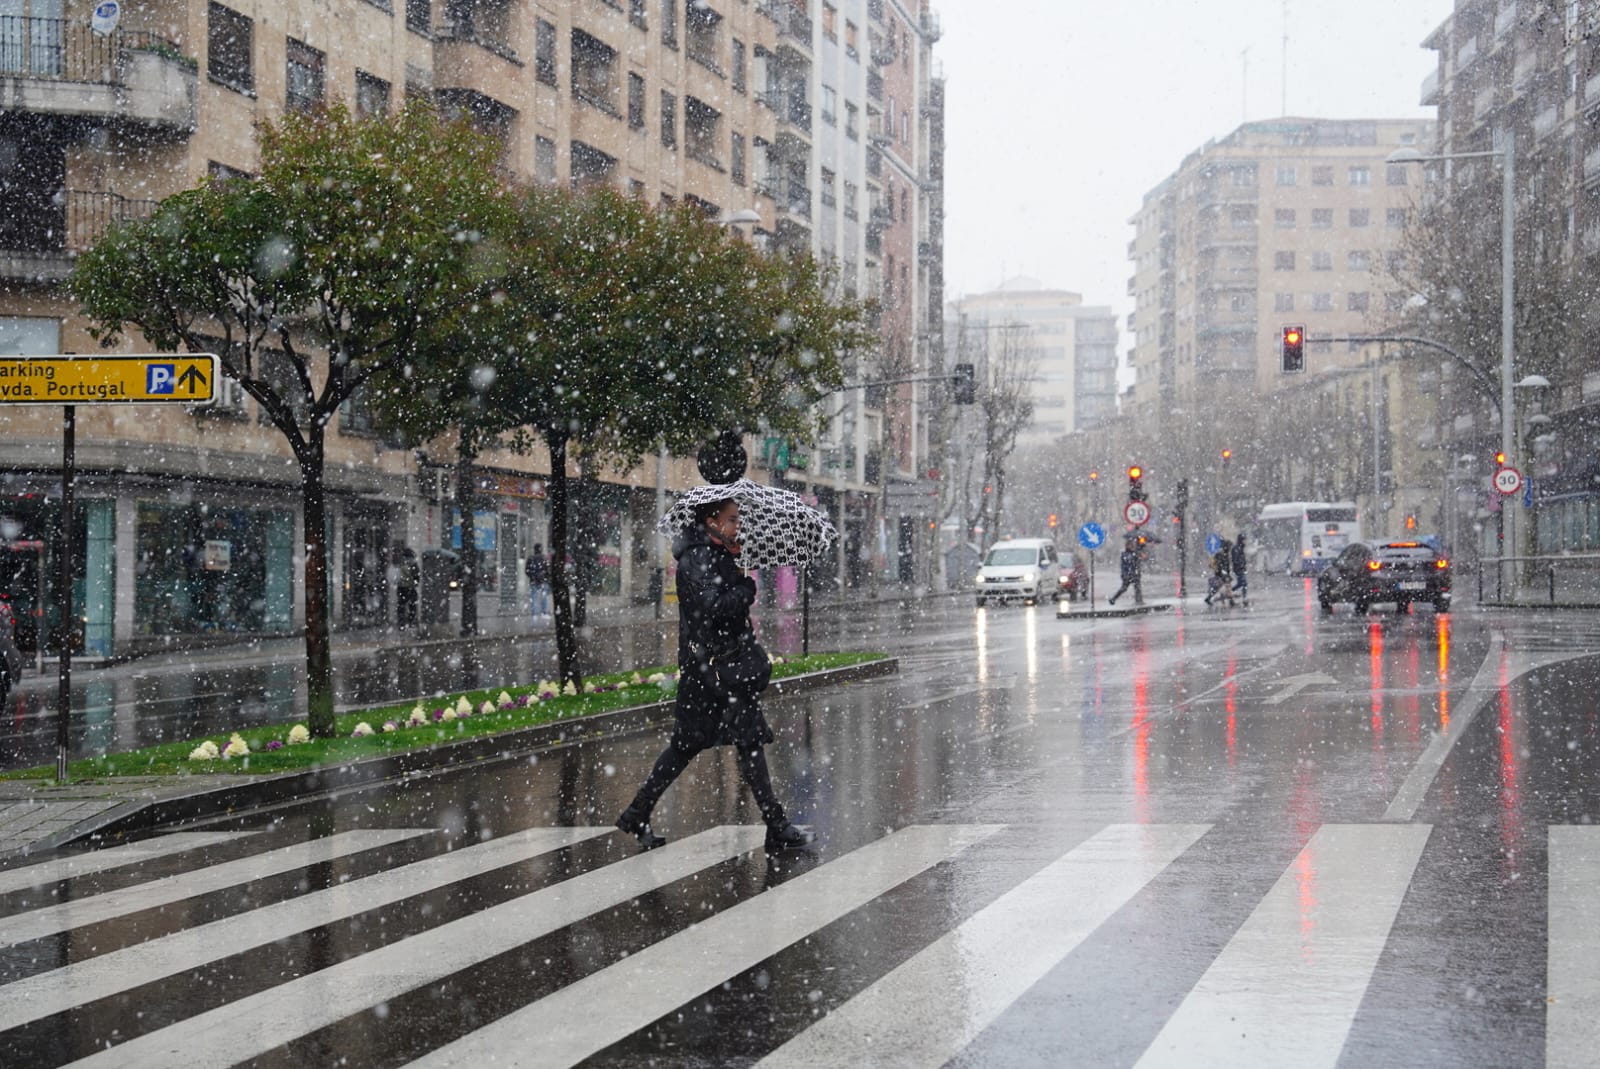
(1506, 154)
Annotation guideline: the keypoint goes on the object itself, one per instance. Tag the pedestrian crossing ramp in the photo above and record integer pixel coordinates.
(77, 989)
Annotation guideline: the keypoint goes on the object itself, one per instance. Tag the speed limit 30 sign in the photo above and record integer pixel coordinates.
(1508, 481)
(1137, 513)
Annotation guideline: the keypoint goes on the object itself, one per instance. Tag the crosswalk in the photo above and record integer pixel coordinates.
(556, 924)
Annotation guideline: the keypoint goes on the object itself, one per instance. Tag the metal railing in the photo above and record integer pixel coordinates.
(73, 221)
(1540, 572)
(69, 51)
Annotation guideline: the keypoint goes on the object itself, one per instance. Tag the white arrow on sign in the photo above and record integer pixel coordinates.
(1295, 684)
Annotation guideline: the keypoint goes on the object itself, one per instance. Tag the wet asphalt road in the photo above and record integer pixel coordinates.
(1237, 837)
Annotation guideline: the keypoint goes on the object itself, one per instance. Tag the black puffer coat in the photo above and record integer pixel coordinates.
(714, 640)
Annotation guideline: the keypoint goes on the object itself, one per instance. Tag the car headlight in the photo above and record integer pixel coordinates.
(1028, 577)
(979, 579)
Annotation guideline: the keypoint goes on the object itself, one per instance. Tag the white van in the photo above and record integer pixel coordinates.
(1025, 568)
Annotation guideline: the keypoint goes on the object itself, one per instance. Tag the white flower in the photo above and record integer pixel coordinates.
(206, 751)
(449, 714)
(657, 678)
(777, 660)
(390, 725)
(299, 734)
(504, 702)
(236, 747)
(588, 688)
(463, 706)
(486, 708)
(570, 689)
(636, 679)
(362, 728)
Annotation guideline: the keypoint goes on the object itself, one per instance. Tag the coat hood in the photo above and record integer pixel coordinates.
(687, 538)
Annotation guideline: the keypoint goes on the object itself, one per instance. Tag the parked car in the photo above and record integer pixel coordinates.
(10, 656)
(1019, 568)
(1365, 573)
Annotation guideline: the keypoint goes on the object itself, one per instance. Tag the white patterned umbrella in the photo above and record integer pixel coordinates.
(776, 528)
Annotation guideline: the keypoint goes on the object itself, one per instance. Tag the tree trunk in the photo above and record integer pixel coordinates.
(466, 499)
(566, 632)
(319, 656)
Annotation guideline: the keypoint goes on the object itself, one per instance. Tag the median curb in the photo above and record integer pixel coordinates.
(143, 808)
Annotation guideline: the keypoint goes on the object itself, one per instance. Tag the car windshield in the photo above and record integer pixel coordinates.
(1011, 555)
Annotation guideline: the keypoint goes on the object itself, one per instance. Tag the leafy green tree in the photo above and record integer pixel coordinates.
(359, 241)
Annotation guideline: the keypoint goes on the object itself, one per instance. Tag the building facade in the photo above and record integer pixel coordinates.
(189, 520)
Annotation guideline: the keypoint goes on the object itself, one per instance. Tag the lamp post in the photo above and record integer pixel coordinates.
(1506, 154)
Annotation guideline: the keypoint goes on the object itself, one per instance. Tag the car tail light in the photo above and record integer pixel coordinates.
(1373, 565)
(1441, 563)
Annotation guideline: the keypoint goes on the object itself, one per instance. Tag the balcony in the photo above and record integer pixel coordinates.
(1430, 89)
(1505, 20)
(1591, 167)
(930, 26)
(794, 116)
(875, 86)
(41, 236)
(929, 253)
(58, 67)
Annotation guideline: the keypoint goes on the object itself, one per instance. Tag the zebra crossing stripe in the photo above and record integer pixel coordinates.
(587, 1016)
(1286, 988)
(260, 1022)
(1572, 1014)
(65, 916)
(81, 982)
(46, 872)
(930, 1007)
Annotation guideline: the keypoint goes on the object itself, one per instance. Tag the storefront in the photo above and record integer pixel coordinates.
(202, 568)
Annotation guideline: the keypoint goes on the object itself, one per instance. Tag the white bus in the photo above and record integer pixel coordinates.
(1301, 537)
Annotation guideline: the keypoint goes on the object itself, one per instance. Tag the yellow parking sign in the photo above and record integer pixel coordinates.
(146, 379)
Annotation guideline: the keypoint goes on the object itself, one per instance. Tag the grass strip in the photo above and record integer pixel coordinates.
(615, 690)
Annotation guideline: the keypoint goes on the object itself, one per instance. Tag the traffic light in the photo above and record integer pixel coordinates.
(1499, 460)
(1052, 521)
(1227, 455)
(965, 388)
(1294, 350)
(1135, 487)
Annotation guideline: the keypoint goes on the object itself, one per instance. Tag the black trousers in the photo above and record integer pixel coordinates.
(1138, 589)
(676, 757)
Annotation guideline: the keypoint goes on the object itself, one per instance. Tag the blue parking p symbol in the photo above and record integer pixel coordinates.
(159, 378)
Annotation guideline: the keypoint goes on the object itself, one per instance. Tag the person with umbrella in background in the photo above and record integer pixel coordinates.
(722, 670)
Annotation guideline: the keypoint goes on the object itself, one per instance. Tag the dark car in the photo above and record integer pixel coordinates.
(1401, 572)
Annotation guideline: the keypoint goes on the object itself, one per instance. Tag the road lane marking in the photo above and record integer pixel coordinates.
(585, 1017)
(1293, 685)
(84, 981)
(1572, 1005)
(65, 916)
(261, 1022)
(927, 1010)
(1286, 988)
(66, 868)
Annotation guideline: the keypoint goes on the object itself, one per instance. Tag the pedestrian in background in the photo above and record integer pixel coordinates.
(1220, 583)
(538, 570)
(722, 671)
(1238, 561)
(408, 582)
(1132, 564)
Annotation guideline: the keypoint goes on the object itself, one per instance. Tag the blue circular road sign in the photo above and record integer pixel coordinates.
(1214, 542)
(1091, 536)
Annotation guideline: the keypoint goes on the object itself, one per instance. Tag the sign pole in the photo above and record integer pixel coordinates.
(64, 589)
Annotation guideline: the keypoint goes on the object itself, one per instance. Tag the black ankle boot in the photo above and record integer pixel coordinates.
(788, 836)
(639, 828)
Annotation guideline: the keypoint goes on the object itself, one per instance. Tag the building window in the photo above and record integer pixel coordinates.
(850, 47)
(419, 16)
(1322, 261)
(852, 121)
(228, 49)
(1396, 217)
(1394, 302)
(544, 160)
(636, 189)
(1283, 261)
(850, 199)
(830, 196)
(1360, 217)
(636, 14)
(1322, 302)
(702, 30)
(1395, 174)
(1283, 302)
(304, 67)
(1287, 176)
(738, 65)
(635, 101)
(1244, 175)
(702, 128)
(219, 174)
(594, 72)
(372, 95)
(1283, 218)
(1358, 260)
(736, 158)
(591, 168)
(1321, 218)
(1241, 217)
(669, 119)
(669, 23)
(1322, 176)
(830, 105)
(544, 52)
(1356, 302)
(1360, 176)
(830, 22)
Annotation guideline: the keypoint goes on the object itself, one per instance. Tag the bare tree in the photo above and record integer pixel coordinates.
(1006, 366)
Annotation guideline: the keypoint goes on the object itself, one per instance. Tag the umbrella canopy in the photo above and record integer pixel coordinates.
(776, 528)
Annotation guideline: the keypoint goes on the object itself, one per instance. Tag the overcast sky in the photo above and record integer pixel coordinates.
(1062, 114)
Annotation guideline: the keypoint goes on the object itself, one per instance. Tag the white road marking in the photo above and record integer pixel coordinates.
(67, 868)
(72, 985)
(587, 1016)
(65, 916)
(1572, 1005)
(1293, 685)
(932, 1006)
(1286, 988)
(258, 1023)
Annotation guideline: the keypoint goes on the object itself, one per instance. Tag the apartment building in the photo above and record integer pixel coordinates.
(189, 519)
(1285, 221)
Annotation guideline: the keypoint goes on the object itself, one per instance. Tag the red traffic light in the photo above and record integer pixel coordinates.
(1500, 459)
(1292, 336)
(1227, 454)
(1293, 357)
